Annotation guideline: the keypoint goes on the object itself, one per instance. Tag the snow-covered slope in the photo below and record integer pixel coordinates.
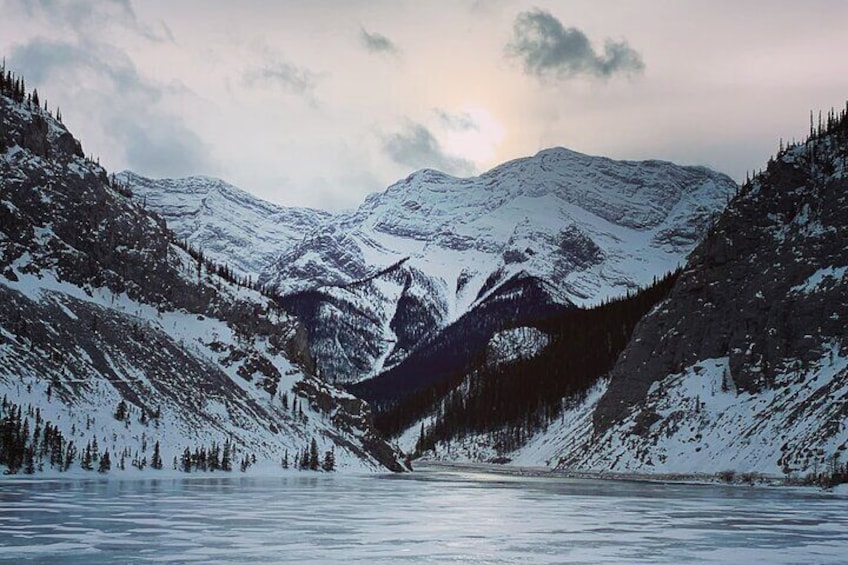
(744, 366)
(99, 306)
(588, 227)
(229, 225)
(593, 225)
(419, 256)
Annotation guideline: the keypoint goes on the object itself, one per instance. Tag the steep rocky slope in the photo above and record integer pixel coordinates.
(100, 308)
(745, 365)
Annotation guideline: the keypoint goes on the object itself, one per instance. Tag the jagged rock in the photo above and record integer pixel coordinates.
(99, 304)
(745, 365)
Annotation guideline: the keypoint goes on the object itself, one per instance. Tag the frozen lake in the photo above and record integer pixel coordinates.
(433, 515)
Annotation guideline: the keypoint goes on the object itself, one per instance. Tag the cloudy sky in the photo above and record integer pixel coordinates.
(319, 102)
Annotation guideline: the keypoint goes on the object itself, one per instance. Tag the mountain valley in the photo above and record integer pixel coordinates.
(559, 310)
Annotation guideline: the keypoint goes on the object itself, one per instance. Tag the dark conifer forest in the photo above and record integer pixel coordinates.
(516, 399)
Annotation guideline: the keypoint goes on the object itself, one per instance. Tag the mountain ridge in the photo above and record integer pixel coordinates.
(741, 369)
(458, 240)
(227, 223)
(119, 335)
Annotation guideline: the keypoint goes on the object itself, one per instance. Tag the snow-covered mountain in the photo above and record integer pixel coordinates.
(744, 367)
(229, 225)
(594, 226)
(120, 338)
(375, 284)
(378, 283)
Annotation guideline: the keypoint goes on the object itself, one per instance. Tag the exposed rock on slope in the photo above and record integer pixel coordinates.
(432, 248)
(745, 366)
(99, 305)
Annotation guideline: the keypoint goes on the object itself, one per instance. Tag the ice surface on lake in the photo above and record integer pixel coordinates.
(432, 516)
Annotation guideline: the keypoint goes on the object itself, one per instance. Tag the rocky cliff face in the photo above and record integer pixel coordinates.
(99, 305)
(745, 366)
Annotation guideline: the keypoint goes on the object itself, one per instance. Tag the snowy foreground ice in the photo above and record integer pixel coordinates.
(435, 515)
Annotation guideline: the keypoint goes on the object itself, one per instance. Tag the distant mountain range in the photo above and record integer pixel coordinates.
(561, 309)
(229, 225)
(413, 260)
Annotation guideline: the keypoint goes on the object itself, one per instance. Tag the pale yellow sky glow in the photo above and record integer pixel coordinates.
(479, 143)
(319, 103)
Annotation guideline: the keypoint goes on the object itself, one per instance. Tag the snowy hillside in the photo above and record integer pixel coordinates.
(744, 367)
(122, 339)
(417, 257)
(432, 247)
(229, 225)
(753, 336)
(594, 226)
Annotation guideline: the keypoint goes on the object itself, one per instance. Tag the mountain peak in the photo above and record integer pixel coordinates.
(36, 130)
(589, 228)
(229, 224)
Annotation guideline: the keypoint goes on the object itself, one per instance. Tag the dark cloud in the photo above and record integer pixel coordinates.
(127, 107)
(416, 147)
(377, 43)
(546, 48)
(163, 148)
(297, 80)
(85, 17)
(461, 121)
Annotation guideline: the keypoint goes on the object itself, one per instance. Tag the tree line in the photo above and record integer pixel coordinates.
(14, 87)
(512, 401)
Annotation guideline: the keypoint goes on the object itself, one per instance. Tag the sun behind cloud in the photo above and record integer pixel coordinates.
(473, 134)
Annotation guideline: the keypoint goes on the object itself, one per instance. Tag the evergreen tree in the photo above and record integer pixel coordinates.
(329, 463)
(121, 411)
(86, 458)
(186, 461)
(105, 463)
(213, 458)
(70, 455)
(226, 461)
(29, 461)
(313, 455)
(156, 461)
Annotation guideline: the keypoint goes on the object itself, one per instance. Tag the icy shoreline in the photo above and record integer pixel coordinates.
(740, 479)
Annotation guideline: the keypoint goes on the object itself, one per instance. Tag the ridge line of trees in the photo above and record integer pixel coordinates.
(14, 87)
(513, 401)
